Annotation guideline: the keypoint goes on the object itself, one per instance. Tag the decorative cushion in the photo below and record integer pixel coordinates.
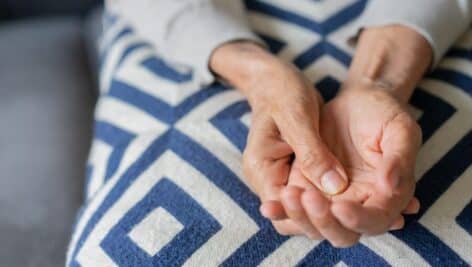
(164, 184)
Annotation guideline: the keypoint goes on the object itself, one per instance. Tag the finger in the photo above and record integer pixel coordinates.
(398, 224)
(364, 219)
(400, 143)
(273, 210)
(264, 140)
(413, 207)
(395, 196)
(317, 208)
(291, 200)
(266, 159)
(287, 227)
(299, 128)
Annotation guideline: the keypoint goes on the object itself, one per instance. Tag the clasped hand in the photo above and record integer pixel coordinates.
(334, 171)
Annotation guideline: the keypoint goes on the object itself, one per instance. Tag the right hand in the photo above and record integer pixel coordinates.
(285, 121)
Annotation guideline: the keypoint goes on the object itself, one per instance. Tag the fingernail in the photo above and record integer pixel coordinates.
(332, 182)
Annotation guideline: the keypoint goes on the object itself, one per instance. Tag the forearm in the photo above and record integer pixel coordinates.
(393, 58)
(239, 63)
(248, 67)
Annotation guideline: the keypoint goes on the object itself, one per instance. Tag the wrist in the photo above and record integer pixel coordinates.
(264, 79)
(368, 86)
(391, 58)
(242, 63)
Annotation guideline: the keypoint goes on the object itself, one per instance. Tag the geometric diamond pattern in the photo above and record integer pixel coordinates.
(148, 240)
(193, 228)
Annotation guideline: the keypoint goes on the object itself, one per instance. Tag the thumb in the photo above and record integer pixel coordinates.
(400, 144)
(322, 168)
(315, 160)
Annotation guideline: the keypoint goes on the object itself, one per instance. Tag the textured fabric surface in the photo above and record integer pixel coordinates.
(45, 115)
(164, 184)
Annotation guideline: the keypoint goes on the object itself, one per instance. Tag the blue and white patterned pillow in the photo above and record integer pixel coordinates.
(164, 183)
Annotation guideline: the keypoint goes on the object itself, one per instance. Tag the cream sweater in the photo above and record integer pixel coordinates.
(189, 30)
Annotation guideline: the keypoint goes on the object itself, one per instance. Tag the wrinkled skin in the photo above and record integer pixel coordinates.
(376, 141)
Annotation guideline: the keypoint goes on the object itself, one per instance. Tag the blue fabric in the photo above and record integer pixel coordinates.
(203, 131)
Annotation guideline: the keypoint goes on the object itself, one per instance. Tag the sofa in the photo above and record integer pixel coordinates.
(46, 103)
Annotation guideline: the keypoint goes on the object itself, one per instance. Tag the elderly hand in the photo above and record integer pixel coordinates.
(285, 121)
(370, 132)
(377, 141)
(374, 136)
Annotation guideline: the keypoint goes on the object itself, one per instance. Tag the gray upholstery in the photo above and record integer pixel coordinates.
(45, 127)
(92, 30)
(14, 9)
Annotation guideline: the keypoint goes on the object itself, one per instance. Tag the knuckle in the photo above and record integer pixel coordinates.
(295, 209)
(291, 192)
(345, 242)
(301, 107)
(324, 225)
(280, 229)
(314, 161)
(309, 160)
(298, 114)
